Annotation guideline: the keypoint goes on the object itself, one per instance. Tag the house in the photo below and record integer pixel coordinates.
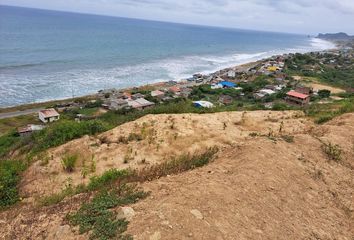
(117, 104)
(157, 94)
(29, 129)
(267, 91)
(175, 89)
(137, 96)
(216, 86)
(226, 84)
(48, 115)
(225, 99)
(297, 98)
(140, 103)
(203, 104)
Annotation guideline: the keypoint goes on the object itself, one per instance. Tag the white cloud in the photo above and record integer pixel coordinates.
(302, 16)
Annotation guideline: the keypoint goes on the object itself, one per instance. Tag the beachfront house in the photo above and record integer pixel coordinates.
(203, 104)
(48, 115)
(297, 98)
(29, 129)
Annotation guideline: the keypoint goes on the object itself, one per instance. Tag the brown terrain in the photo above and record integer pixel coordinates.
(261, 185)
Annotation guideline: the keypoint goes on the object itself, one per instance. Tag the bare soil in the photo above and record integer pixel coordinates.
(258, 187)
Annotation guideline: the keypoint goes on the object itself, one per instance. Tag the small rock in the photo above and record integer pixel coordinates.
(126, 212)
(197, 214)
(155, 236)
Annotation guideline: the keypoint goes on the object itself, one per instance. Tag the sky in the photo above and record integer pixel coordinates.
(293, 16)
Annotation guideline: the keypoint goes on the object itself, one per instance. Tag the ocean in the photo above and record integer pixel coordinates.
(47, 55)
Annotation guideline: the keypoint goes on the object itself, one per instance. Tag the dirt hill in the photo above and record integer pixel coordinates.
(271, 179)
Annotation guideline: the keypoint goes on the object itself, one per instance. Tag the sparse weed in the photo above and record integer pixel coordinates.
(69, 162)
(333, 151)
(288, 138)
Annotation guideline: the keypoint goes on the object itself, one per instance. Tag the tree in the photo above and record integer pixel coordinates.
(324, 93)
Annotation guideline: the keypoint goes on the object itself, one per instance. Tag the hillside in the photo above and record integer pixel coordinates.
(275, 175)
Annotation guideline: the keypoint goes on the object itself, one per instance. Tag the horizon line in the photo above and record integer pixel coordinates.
(155, 20)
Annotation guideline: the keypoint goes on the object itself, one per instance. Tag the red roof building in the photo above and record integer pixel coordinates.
(297, 98)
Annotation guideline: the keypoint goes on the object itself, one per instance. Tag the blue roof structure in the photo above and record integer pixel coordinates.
(227, 84)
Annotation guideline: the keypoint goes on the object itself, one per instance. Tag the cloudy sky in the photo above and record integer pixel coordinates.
(298, 16)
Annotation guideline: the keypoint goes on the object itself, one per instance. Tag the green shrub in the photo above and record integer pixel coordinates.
(333, 151)
(8, 142)
(10, 171)
(97, 217)
(64, 131)
(107, 179)
(69, 162)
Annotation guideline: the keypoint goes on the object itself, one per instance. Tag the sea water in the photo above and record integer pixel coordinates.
(46, 55)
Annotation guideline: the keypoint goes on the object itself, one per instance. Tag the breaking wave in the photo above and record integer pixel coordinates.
(58, 85)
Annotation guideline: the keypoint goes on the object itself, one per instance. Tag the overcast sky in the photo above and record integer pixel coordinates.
(299, 16)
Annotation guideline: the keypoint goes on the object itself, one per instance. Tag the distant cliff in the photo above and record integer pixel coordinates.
(335, 36)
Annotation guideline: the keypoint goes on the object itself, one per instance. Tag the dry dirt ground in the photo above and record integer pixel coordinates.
(258, 187)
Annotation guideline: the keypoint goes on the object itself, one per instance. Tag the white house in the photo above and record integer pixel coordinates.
(203, 104)
(48, 115)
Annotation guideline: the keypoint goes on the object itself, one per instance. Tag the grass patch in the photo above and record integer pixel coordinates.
(333, 151)
(174, 166)
(10, 172)
(322, 113)
(68, 162)
(97, 217)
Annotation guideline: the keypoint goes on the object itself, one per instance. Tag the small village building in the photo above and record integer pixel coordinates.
(117, 104)
(137, 96)
(297, 98)
(48, 115)
(175, 90)
(203, 104)
(29, 129)
(216, 86)
(267, 91)
(225, 99)
(140, 103)
(227, 84)
(157, 94)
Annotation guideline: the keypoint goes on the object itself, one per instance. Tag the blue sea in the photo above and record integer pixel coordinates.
(46, 55)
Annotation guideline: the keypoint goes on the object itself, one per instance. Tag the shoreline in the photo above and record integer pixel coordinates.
(92, 96)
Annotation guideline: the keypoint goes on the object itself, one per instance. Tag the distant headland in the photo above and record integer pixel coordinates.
(341, 36)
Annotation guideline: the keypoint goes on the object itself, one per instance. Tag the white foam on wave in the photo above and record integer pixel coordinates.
(59, 85)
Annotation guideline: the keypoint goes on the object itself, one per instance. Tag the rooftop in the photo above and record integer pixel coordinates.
(51, 112)
(297, 94)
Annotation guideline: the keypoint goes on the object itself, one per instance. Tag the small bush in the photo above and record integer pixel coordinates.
(97, 217)
(107, 179)
(288, 138)
(69, 162)
(134, 137)
(174, 166)
(334, 152)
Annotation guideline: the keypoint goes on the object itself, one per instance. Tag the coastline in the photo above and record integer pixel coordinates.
(154, 85)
